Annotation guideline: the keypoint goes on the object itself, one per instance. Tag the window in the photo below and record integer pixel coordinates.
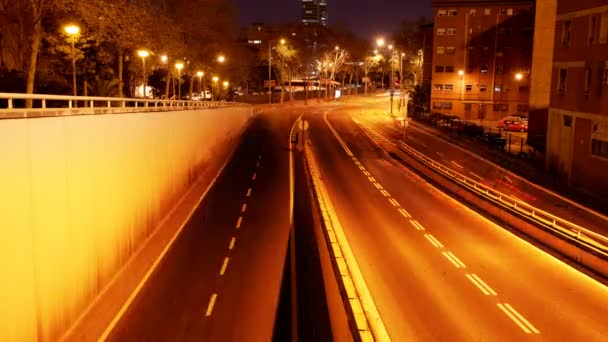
(593, 28)
(501, 107)
(566, 33)
(502, 11)
(438, 87)
(469, 87)
(523, 108)
(497, 88)
(567, 120)
(452, 13)
(588, 77)
(448, 88)
(440, 50)
(484, 69)
(441, 13)
(483, 88)
(436, 105)
(473, 11)
(499, 68)
(561, 81)
(449, 68)
(599, 148)
(441, 31)
(439, 68)
(486, 11)
(509, 11)
(604, 28)
(467, 107)
(450, 50)
(451, 31)
(447, 105)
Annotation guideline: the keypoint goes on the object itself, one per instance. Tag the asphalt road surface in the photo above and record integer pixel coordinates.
(437, 270)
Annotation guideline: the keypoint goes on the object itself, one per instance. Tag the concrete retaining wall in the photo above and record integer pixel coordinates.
(78, 194)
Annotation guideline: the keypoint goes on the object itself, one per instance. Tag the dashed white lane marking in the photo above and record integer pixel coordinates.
(248, 192)
(377, 185)
(361, 168)
(385, 193)
(244, 207)
(254, 176)
(475, 175)
(457, 165)
(485, 288)
(394, 202)
(224, 265)
(372, 179)
(211, 305)
(357, 162)
(454, 260)
(366, 173)
(404, 213)
(239, 221)
(416, 225)
(232, 242)
(433, 240)
(516, 317)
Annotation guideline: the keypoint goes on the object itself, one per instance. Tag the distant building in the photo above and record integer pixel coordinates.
(314, 12)
(577, 129)
(256, 34)
(482, 54)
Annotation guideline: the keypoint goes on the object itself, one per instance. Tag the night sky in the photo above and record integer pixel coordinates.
(367, 18)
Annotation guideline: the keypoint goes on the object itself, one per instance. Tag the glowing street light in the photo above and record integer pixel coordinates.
(390, 47)
(143, 54)
(225, 84)
(200, 75)
(461, 73)
(73, 31)
(215, 80)
(519, 76)
(283, 41)
(179, 66)
(337, 48)
(380, 42)
(221, 59)
(164, 58)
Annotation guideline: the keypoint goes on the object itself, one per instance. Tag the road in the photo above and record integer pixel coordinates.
(477, 168)
(221, 279)
(436, 269)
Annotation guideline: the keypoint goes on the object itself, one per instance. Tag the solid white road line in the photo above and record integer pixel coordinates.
(433, 240)
(457, 165)
(475, 175)
(244, 207)
(416, 225)
(232, 242)
(211, 305)
(331, 128)
(385, 193)
(394, 202)
(440, 154)
(454, 260)
(404, 213)
(238, 222)
(224, 265)
(526, 326)
(248, 192)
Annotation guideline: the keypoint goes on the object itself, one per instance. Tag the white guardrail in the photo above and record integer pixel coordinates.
(567, 229)
(69, 105)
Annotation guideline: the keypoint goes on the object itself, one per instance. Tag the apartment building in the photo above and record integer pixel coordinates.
(577, 129)
(482, 55)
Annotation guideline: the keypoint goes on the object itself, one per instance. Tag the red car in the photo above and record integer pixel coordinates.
(513, 124)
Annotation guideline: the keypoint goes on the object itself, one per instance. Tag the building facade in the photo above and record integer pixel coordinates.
(577, 129)
(482, 55)
(314, 12)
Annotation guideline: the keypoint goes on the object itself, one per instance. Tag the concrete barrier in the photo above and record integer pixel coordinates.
(79, 193)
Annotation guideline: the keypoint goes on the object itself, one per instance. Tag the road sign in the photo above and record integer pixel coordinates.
(303, 125)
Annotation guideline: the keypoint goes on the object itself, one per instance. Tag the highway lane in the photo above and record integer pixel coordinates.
(438, 271)
(478, 168)
(221, 279)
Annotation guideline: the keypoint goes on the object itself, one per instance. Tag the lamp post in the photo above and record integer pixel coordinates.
(165, 60)
(200, 75)
(143, 54)
(179, 66)
(215, 80)
(73, 31)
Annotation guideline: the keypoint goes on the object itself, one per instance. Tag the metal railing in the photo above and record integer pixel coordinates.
(559, 226)
(14, 103)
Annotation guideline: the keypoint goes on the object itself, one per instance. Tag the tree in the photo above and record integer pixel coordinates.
(288, 57)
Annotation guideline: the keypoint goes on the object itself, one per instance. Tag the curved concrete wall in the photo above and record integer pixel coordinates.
(78, 194)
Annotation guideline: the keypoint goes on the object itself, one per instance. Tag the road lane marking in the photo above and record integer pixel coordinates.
(357, 162)
(232, 242)
(485, 288)
(361, 168)
(366, 173)
(254, 176)
(244, 207)
(394, 202)
(440, 154)
(516, 317)
(433, 240)
(211, 305)
(457, 165)
(377, 185)
(224, 265)
(372, 179)
(238, 222)
(476, 176)
(248, 192)
(404, 213)
(416, 225)
(385, 193)
(454, 260)
(331, 128)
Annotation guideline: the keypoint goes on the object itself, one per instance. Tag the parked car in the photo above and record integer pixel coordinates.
(521, 117)
(494, 140)
(513, 124)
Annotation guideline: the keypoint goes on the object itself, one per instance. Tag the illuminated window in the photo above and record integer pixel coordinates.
(441, 31)
(509, 11)
(442, 13)
(473, 11)
(451, 31)
(497, 88)
(440, 50)
(452, 13)
(484, 69)
(438, 87)
(486, 11)
(450, 50)
(448, 88)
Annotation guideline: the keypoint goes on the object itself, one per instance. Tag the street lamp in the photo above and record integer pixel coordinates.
(380, 42)
(143, 54)
(282, 42)
(73, 31)
(221, 59)
(226, 84)
(215, 80)
(519, 76)
(179, 66)
(200, 75)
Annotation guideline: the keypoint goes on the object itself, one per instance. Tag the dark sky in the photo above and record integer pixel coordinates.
(367, 18)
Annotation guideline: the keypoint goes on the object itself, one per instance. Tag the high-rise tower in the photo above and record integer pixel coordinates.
(314, 12)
